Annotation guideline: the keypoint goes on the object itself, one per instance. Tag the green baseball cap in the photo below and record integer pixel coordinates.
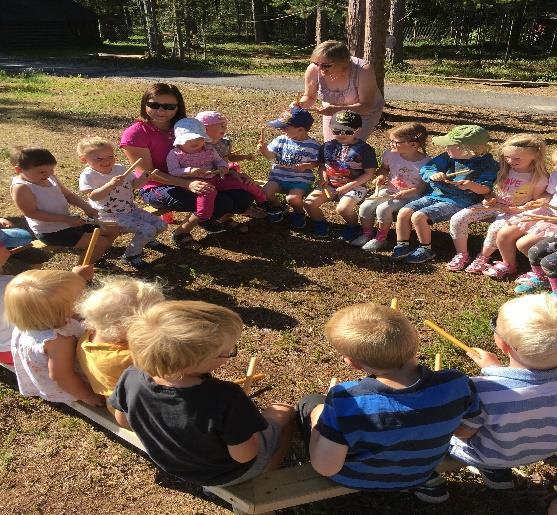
(463, 135)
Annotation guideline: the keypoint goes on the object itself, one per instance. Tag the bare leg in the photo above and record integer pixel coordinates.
(404, 224)
(506, 243)
(312, 204)
(103, 243)
(423, 230)
(295, 198)
(271, 189)
(282, 415)
(345, 208)
(461, 245)
(525, 242)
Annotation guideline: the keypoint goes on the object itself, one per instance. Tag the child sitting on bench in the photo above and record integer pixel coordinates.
(389, 430)
(194, 426)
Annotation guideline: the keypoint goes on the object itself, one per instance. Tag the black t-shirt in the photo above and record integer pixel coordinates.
(186, 430)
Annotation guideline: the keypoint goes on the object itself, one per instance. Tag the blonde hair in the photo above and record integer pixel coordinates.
(333, 50)
(41, 299)
(412, 132)
(554, 156)
(528, 324)
(529, 142)
(173, 336)
(108, 310)
(476, 150)
(374, 335)
(91, 143)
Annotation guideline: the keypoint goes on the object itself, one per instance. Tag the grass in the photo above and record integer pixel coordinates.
(284, 285)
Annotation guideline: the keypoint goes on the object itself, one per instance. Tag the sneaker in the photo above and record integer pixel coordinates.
(458, 263)
(478, 266)
(361, 240)
(420, 255)
(320, 229)
(524, 278)
(136, 262)
(349, 233)
(212, 227)
(400, 251)
(297, 220)
(533, 285)
(375, 245)
(434, 490)
(497, 479)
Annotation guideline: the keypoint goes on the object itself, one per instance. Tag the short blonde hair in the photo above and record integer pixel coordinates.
(476, 150)
(333, 50)
(91, 143)
(36, 300)
(528, 324)
(108, 309)
(374, 335)
(173, 336)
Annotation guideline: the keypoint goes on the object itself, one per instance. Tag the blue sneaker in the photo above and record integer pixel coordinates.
(400, 251)
(320, 229)
(434, 490)
(350, 233)
(276, 217)
(420, 255)
(534, 284)
(297, 220)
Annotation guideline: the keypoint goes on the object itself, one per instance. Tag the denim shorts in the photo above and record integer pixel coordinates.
(435, 210)
(14, 237)
(287, 186)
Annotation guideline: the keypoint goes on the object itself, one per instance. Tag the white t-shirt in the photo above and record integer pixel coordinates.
(117, 201)
(517, 188)
(5, 328)
(403, 174)
(552, 188)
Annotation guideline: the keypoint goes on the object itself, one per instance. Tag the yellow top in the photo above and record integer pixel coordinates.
(102, 363)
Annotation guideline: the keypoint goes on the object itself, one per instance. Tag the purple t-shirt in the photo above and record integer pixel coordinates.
(145, 135)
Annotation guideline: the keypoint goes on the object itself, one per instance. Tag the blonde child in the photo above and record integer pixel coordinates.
(45, 201)
(346, 164)
(192, 157)
(195, 426)
(467, 155)
(520, 233)
(522, 177)
(358, 433)
(110, 192)
(40, 304)
(103, 353)
(294, 154)
(518, 418)
(399, 178)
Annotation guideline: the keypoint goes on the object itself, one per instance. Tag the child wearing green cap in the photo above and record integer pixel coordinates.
(457, 178)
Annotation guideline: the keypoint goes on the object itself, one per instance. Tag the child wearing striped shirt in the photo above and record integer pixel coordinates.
(518, 420)
(390, 429)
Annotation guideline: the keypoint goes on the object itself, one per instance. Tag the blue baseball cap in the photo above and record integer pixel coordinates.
(293, 117)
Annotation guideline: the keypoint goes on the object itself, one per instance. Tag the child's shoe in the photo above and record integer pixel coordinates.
(434, 490)
(297, 220)
(363, 238)
(497, 479)
(212, 227)
(320, 229)
(276, 213)
(458, 262)
(349, 233)
(533, 285)
(524, 278)
(478, 266)
(136, 262)
(400, 251)
(168, 218)
(420, 255)
(157, 245)
(375, 245)
(499, 269)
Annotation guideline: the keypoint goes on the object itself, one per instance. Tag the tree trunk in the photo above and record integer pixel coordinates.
(154, 41)
(355, 22)
(259, 28)
(178, 7)
(238, 18)
(518, 24)
(321, 25)
(310, 24)
(395, 52)
(377, 12)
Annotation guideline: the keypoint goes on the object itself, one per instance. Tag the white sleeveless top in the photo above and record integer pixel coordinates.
(49, 199)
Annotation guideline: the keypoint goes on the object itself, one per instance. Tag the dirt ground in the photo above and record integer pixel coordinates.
(285, 285)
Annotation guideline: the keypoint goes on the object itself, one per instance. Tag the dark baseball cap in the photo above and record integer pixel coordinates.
(346, 120)
(293, 117)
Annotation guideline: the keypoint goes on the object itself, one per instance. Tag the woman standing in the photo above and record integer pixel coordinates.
(341, 82)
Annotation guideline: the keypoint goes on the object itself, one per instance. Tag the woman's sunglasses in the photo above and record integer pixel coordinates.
(325, 66)
(348, 132)
(166, 107)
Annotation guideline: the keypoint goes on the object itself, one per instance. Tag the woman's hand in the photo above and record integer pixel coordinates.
(200, 187)
(325, 111)
(74, 221)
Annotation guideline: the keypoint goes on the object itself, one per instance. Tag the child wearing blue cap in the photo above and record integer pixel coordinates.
(295, 155)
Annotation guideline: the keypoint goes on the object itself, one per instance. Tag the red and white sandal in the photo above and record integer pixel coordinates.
(499, 269)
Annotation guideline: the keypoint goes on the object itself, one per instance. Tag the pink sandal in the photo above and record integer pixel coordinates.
(499, 269)
(478, 266)
(458, 262)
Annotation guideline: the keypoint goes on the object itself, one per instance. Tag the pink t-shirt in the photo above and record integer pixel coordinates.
(145, 135)
(517, 188)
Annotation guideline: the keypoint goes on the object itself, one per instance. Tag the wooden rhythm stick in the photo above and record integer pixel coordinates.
(449, 337)
(91, 247)
(250, 373)
(262, 136)
(255, 377)
(496, 207)
(132, 167)
(332, 383)
(381, 197)
(21, 248)
(376, 191)
(394, 303)
(327, 192)
(455, 174)
(437, 366)
(541, 218)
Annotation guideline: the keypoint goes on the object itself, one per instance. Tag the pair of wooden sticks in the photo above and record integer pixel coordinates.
(251, 376)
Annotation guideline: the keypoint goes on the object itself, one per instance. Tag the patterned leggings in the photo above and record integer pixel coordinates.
(460, 221)
(382, 209)
(544, 254)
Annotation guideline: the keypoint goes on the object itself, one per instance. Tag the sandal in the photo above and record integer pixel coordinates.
(478, 266)
(525, 278)
(499, 269)
(183, 240)
(458, 262)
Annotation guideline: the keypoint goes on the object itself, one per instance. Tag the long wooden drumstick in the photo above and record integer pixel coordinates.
(394, 303)
(449, 337)
(91, 247)
(255, 377)
(454, 174)
(437, 366)
(333, 382)
(132, 167)
(250, 373)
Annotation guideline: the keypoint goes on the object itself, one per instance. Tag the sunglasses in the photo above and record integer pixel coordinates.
(232, 354)
(325, 66)
(346, 132)
(166, 107)
(395, 142)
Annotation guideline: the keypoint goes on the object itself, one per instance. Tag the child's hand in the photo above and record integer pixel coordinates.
(483, 358)
(94, 399)
(5, 223)
(403, 194)
(463, 185)
(261, 143)
(84, 271)
(489, 202)
(75, 221)
(118, 180)
(222, 170)
(304, 166)
(204, 173)
(533, 204)
(438, 177)
(91, 212)
(246, 179)
(378, 181)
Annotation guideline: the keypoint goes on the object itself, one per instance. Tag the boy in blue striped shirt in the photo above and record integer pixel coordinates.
(518, 420)
(389, 430)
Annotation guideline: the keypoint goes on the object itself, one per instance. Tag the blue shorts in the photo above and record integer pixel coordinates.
(435, 210)
(14, 237)
(288, 186)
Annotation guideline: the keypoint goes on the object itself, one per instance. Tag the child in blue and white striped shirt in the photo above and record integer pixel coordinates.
(518, 421)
